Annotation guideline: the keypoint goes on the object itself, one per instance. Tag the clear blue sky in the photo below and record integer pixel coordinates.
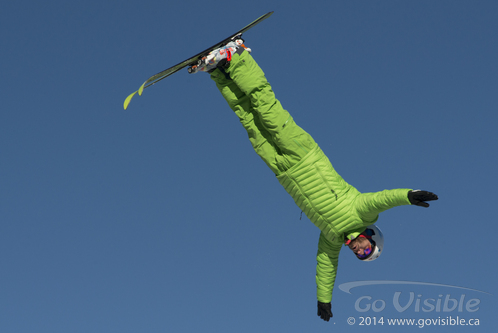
(161, 218)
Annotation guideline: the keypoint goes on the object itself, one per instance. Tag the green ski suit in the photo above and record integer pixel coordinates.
(338, 209)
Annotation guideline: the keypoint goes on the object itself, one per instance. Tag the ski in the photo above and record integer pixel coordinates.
(191, 61)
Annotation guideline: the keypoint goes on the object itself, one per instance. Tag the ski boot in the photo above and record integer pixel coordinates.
(210, 62)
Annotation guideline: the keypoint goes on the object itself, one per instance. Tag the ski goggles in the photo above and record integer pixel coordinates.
(366, 253)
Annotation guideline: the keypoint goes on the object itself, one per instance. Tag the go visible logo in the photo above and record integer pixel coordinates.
(403, 301)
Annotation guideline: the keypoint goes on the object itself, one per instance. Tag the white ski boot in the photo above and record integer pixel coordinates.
(210, 62)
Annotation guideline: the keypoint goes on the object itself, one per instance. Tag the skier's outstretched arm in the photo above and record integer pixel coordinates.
(370, 205)
(327, 260)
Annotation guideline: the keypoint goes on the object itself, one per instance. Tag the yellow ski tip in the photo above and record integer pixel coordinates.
(141, 90)
(128, 100)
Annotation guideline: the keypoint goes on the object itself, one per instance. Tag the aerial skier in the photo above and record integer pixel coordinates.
(343, 214)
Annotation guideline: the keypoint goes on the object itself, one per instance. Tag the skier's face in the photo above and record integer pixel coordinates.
(360, 246)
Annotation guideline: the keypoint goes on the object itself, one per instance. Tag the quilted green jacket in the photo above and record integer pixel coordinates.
(334, 206)
(338, 209)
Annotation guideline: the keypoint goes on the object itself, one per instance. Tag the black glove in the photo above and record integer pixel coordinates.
(418, 197)
(325, 311)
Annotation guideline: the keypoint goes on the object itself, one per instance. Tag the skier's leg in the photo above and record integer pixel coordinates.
(294, 143)
(259, 137)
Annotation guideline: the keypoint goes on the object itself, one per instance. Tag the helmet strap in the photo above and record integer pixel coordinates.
(360, 235)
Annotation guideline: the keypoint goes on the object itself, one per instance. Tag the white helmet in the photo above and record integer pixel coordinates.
(375, 237)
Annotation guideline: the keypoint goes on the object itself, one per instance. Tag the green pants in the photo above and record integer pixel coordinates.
(273, 133)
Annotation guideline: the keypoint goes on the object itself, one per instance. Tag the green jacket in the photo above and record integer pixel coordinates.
(334, 206)
(338, 209)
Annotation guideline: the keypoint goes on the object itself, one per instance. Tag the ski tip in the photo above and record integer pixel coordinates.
(128, 100)
(141, 90)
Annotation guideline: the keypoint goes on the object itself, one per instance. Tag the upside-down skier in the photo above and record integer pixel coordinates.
(343, 214)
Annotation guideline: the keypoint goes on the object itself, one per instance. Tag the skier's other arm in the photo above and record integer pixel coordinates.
(327, 260)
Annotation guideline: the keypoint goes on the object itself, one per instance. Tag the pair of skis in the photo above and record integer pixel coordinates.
(192, 60)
